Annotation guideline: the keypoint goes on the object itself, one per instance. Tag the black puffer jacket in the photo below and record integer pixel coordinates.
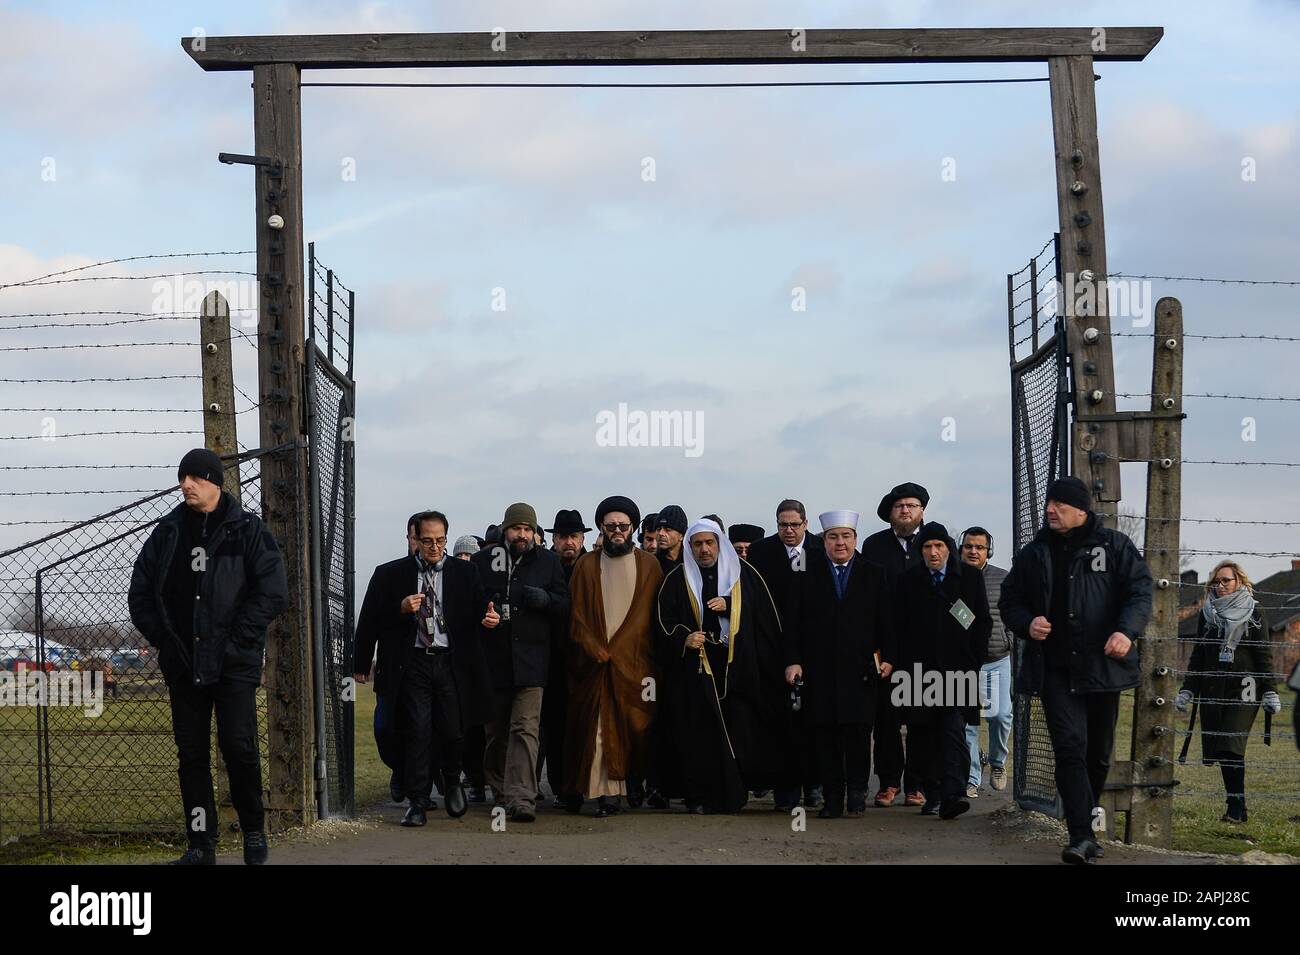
(241, 588)
(1110, 590)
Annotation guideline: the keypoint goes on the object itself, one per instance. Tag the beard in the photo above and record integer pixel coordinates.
(617, 550)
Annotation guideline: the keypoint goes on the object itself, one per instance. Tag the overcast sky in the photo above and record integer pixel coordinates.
(673, 294)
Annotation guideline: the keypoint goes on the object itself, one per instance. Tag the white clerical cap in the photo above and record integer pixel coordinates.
(847, 519)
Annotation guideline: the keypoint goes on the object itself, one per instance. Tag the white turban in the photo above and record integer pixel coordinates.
(728, 567)
(847, 519)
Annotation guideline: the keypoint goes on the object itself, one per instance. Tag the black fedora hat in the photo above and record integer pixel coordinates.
(567, 522)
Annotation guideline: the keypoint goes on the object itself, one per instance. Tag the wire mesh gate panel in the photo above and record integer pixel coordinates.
(1039, 446)
(331, 403)
(63, 603)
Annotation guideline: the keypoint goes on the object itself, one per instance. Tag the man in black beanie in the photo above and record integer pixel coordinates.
(207, 583)
(1079, 594)
(942, 626)
(670, 526)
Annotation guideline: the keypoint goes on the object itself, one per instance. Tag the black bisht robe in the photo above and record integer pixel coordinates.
(725, 713)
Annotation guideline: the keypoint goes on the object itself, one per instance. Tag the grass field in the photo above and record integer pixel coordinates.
(131, 758)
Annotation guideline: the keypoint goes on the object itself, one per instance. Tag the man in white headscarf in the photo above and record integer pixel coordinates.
(720, 657)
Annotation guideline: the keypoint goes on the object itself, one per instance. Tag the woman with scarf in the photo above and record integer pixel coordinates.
(1230, 676)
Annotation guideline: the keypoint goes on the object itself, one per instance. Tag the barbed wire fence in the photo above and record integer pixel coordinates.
(1234, 727)
(1230, 695)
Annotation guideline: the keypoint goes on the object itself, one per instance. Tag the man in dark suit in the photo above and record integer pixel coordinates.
(839, 621)
(894, 550)
(778, 559)
(942, 626)
(424, 613)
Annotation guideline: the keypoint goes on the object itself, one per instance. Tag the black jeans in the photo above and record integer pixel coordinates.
(843, 757)
(1082, 727)
(939, 755)
(892, 764)
(430, 717)
(1234, 784)
(236, 707)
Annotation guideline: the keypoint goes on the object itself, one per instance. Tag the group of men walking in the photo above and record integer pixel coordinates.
(702, 665)
(706, 665)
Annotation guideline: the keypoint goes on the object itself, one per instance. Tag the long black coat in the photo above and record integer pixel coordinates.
(926, 633)
(770, 558)
(519, 651)
(1110, 591)
(1212, 681)
(381, 623)
(738, 711)
(835, 640)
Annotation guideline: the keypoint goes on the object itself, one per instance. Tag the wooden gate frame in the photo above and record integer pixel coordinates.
(277, 63)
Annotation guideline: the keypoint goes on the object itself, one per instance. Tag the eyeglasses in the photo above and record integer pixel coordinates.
(1222, 581)
(616, 528)
(975, 546)
(432, 541)
(907, 507)
(790, 525)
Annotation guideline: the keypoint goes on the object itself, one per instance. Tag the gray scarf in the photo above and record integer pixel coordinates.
(1230, 614)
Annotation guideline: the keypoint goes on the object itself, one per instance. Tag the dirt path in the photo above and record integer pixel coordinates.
(992, 832)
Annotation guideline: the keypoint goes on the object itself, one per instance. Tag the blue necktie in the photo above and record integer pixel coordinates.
(841, 575)
(938, 580)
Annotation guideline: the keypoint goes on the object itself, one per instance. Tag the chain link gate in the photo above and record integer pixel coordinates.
(1040, 449)
(63, 602)
(331, 409)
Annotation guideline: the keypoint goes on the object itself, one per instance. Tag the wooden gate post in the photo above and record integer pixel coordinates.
(1151, 805)
(277, 121)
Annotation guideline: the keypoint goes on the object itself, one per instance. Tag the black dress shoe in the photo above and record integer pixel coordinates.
(255, 849)
(952, 810)
(415, 816)
(1098, 851)
(196, 855)
(1079, 853)
(930, 808)
(828, 813)
(607, 806)
(655, 800)
(520, 814)
(476, 794)
(454, 793)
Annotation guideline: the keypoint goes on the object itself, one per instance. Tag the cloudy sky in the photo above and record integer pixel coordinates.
(673, 294)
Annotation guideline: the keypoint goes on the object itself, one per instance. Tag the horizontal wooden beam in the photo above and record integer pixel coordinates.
(672, 47)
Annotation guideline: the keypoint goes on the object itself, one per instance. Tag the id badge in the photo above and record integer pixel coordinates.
(429, 626)
(962, 614)
(505, 611)
(1226, 654)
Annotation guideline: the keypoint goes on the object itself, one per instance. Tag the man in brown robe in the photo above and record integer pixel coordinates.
(612, 677)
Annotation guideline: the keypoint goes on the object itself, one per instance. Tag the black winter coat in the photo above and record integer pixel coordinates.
(241, 589)
(382, 624)
(770, 558)
(926, 633)
(835, 640)
(1110, 590)
(882, 549)
(519, 650)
